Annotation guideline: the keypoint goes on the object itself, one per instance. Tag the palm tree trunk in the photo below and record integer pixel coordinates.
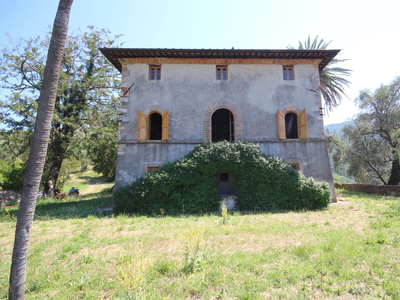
(38, 151)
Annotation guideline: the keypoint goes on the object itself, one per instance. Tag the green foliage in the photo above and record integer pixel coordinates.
(190, 184)
(12, 174)
(103, 149)
(86, 97)
(370, 148)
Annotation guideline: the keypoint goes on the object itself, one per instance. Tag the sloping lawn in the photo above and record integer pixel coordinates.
(348, 251)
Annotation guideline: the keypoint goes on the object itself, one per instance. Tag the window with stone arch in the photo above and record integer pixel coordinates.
(291, 126)
(153, 125)
(292, 123)
(236, 128)
(222, 125)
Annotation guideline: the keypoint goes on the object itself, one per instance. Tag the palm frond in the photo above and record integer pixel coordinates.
(332, 78)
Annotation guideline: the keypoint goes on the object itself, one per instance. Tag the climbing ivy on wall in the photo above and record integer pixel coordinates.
(190, 184)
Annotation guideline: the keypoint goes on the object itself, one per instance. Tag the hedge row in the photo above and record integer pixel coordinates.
(190, 184)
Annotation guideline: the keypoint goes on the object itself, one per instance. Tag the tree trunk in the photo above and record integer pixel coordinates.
(56, 160)
(38, 151)
(395, 173)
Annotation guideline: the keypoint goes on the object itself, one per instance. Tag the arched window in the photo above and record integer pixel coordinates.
(153, 127)
(222, 126)
(292, 125)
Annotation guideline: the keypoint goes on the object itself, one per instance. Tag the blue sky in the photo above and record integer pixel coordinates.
(366, 31)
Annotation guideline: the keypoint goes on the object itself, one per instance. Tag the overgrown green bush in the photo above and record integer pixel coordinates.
(190, 184)
(12, 174)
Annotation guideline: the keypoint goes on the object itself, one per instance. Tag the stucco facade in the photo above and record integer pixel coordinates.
(180, 92)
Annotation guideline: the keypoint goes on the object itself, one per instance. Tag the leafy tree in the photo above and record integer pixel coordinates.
(11, 174)
(37, 155)
(86, 96)
(13, 155)
(103, 149)
(371, 147)
(15, 144)
(332, 77)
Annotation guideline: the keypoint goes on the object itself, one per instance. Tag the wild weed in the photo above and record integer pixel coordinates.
(164, 266)
(134, 275)
(193, 259)
(224, 213)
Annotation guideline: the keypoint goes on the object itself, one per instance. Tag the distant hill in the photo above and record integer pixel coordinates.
(336, 128)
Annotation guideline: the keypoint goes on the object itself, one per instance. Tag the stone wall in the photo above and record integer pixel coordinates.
(9, 197)
(386, 190)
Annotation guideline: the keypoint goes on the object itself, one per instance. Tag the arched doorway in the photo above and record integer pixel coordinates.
(155, 130)
(222, 126)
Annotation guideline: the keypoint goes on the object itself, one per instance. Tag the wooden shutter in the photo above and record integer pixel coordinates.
(280, 117)
(142, 128)
(165, 126)
(303, 132)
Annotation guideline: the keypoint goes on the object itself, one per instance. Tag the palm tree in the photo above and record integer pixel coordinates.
(332, 81)
(37, 155)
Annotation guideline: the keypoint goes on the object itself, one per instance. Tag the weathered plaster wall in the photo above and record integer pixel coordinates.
(187, 90)
(253, 92)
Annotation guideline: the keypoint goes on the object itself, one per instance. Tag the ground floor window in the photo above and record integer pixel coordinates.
(296, 166)
(226, 183)
(152, 169)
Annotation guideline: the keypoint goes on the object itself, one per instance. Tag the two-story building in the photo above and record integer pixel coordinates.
(174, 99)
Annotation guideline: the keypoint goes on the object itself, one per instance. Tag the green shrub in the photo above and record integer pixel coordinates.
(190, 185)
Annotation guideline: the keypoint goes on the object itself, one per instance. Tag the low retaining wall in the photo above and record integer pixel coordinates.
(386, 190)
(9, 197)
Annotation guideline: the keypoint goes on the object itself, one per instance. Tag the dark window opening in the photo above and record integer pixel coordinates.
(227, 183)
(155, 121)
(222, 126)
(291, 126)
(223, 177)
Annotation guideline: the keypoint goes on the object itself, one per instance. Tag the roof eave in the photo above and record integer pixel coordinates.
(113, 54)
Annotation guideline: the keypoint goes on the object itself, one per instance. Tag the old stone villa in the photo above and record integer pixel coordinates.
(173, 99)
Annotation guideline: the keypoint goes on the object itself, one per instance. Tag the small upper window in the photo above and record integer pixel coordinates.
(288, 73)
(222, 72)
(155, 73)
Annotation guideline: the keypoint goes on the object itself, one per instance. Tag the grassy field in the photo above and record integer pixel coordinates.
(348, 251)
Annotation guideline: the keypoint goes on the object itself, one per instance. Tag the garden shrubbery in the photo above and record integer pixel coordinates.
(190, 184)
